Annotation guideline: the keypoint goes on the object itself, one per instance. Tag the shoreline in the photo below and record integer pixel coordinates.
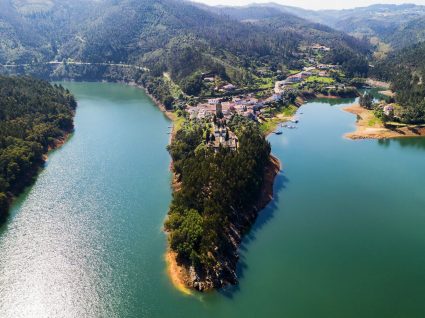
(59, 142)
(176, 273)
(170, 115)
(367, 128)
(31, 178)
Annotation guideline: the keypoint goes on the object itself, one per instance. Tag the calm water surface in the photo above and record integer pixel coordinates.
(345, 236)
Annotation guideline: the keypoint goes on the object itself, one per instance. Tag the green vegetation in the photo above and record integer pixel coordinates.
(312, 88)
(33, 115)
(405, 70)
(374, 121)
(292, 72)
(265, 83)
(366, 101)
(353, 64)
(320, 79)
(217, 192)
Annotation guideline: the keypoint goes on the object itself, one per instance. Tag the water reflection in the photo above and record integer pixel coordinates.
(334, 101)
(413, 142)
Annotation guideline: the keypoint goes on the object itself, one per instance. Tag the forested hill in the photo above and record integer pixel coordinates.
(281, 19)
(395, 26)
(33, 116)
(164, 35)
(405, 70)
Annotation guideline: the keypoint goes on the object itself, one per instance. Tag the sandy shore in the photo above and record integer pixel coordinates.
(177, 274)
(370, 128)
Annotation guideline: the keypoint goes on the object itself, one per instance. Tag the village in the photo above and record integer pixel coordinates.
(219, 110)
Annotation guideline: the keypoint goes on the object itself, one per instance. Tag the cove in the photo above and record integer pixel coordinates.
(344, 236)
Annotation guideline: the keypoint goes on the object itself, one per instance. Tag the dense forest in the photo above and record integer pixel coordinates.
(405, 70)
(33, 116)
(215, 198)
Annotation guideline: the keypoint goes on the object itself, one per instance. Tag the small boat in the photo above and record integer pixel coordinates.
(295, 121)
(278, 132)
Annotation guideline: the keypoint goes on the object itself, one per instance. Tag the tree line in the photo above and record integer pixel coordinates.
(33, 115)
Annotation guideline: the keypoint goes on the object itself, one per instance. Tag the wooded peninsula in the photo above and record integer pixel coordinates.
(216, 198)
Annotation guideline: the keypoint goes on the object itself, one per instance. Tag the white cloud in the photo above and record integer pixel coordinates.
(311, 4)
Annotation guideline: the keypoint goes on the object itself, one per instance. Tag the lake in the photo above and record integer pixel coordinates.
(344, 236)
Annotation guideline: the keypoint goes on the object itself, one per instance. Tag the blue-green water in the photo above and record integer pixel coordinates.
(344, 237)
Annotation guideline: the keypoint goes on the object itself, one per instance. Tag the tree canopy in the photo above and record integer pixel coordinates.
(33, 115)
(217, 189)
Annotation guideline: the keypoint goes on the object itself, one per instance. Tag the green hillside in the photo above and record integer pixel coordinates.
(169, 36)
(405, 70)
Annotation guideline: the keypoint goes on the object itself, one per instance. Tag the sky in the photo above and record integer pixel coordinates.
(312, 4)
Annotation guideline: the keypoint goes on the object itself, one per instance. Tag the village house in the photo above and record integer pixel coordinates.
(320, 48)
(276, 98)
(323, 67)
(389, 110)
(229, 87)
(214, 101)
(223, 137)
(305, 74)
(297, 78)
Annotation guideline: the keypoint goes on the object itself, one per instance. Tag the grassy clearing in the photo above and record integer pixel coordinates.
(373, 121)
(266, 83)
(319, 79)
(292, 72)
(178, 123)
